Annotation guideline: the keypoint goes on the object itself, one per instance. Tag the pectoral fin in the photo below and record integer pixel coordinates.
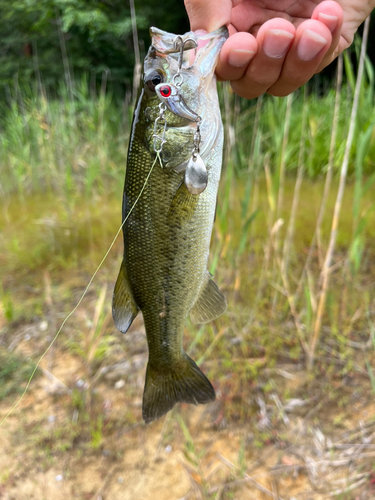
(183, 205)
(210, 304)
(124, 307)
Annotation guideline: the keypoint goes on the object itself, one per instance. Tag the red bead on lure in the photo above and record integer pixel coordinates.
(165, 90)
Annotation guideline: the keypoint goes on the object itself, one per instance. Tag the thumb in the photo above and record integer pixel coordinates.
(208, 15)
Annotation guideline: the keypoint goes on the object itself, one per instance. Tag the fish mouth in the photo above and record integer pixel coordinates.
(203, 49)
(164, 42)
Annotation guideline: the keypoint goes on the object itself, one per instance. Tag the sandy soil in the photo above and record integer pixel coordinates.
(44, 457)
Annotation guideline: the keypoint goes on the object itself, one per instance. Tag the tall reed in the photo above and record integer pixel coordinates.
(325, 273)
(67, 145)
(300, 136)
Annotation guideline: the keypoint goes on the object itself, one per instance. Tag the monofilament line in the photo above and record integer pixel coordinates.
(85, 291)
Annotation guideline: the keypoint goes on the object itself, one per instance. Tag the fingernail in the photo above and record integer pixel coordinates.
(310, 44)
(240, 57)
(277, 42)
(329, 21)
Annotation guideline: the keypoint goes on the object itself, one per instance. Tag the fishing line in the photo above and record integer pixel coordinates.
(85, 291)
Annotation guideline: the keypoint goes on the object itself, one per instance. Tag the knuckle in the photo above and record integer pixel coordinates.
(264, 80)
(279, 92)
(246, 89)
(264, 75)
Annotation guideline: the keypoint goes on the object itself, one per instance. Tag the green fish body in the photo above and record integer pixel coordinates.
(168, 230)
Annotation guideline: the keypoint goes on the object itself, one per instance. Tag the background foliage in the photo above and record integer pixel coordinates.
(52, 39)
(46, 39)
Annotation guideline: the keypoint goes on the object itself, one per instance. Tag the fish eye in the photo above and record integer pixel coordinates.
(154, 80)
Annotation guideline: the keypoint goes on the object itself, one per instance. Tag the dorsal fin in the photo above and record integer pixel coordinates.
(210, 304)
(124, 307)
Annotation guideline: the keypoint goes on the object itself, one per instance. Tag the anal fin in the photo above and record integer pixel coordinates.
(210, 304)
(124, 307)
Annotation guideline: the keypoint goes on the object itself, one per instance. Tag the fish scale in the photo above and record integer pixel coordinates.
(167, 234)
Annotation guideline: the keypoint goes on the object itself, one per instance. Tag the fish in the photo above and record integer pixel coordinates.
(168, 213)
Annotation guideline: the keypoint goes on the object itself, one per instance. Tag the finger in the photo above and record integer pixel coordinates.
(274, 40)
(311, 43)
(235, 56)
(208, 15)
(331, 15)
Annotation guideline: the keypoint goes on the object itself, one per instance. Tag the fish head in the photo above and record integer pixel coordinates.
(184, 81)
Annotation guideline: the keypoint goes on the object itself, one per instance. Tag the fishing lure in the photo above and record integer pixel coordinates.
(196, 176)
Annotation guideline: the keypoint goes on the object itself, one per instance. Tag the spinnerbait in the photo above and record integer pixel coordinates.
(196, 176)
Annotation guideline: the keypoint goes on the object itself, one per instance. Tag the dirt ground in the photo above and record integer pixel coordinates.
(55, 447)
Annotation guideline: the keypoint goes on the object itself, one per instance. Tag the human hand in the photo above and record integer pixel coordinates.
(276, 46)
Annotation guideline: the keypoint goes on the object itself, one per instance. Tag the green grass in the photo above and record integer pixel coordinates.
(14, 373)
(68, 146)
(77, 146)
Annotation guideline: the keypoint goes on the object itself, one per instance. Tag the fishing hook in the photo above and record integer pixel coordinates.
(180, 44)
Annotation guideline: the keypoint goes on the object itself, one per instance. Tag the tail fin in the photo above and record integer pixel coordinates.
(182, 383)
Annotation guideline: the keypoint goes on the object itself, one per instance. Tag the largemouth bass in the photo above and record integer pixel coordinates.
(169, 212)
